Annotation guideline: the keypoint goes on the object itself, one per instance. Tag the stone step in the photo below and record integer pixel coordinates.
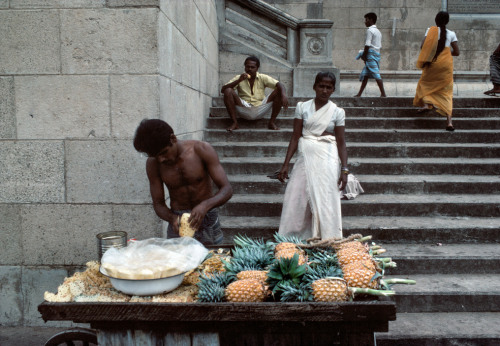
(385, 150)
(448, 292)
(386, 166)
(362, 135)
(375, 184)
(220, 117)
(384, 229)
(458, 102)
(458, 205)
(442, 328)
(412, 259)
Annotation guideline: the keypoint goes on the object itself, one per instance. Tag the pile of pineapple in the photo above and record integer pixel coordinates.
(290, 270)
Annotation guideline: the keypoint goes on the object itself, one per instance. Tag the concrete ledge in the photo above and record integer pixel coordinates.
(404, 83)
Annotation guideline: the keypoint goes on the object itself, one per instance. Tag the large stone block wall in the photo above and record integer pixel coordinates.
(76, 78)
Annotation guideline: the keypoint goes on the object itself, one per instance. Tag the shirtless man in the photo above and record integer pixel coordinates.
(187, 168)
(249, 99)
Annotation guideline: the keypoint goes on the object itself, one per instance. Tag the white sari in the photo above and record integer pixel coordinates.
(311, 206)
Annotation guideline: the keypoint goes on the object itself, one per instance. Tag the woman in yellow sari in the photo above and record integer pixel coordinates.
(435, 87)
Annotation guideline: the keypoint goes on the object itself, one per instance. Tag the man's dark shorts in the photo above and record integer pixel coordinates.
(210, 232)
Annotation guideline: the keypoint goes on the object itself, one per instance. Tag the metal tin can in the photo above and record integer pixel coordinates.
(110, 239)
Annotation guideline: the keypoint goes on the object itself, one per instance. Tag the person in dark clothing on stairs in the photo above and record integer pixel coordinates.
(494, 73)
(249, 100)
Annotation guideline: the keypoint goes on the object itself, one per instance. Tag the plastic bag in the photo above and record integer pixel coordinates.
(153, 258)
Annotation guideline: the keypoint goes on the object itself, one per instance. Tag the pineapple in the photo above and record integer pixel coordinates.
(248, 290)
(185, 229)
(259, 275)
(362, 277)
(354, 245)
(347, 255)
(287, 250)
(362, 264)
(211, 287)
(330, 289)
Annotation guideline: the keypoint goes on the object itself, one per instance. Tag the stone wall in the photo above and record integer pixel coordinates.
(403, 24)
(76, 78)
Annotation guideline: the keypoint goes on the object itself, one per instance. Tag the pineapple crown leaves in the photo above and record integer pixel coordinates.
(283, 270)
(259, 258)
(291, 292)
(221, 279)
(322, 272)
(244, 241)
(322, 258)
(288, 239)
(211, 292)
(236, 265)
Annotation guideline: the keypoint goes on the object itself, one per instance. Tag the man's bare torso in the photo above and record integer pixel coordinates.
(187, 179)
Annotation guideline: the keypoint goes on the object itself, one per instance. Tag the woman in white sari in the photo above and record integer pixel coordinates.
(311, 207)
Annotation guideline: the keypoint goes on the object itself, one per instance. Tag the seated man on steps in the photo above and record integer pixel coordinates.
(251, 102)
(187, 168)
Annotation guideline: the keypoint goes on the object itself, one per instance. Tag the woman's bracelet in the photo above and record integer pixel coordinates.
(345, 170)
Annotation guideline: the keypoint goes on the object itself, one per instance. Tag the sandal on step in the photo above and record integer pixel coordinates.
(450, 128)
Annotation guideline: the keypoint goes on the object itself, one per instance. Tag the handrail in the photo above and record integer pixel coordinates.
(284, 18)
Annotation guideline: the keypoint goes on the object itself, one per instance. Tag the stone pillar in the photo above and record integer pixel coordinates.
(316, 39)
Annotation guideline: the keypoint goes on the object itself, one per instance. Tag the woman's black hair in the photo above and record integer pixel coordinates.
(326, 74)
(253, 58)
(151, 136)
(442, 18)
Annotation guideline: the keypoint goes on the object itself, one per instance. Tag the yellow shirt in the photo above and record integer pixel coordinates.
(262, 81)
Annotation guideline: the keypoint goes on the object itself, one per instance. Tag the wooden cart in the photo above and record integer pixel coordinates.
(349, 323)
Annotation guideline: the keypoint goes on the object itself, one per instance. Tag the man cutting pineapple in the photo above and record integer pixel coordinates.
(187, 168)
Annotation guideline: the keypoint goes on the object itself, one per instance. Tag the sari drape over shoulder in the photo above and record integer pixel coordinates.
(311, 206)
(435, 86)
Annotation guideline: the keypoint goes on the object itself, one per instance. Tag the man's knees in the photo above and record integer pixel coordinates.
(229, 92)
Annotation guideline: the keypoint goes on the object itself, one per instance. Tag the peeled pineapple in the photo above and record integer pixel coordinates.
(247, 290)
(330, 290)
(185, 229)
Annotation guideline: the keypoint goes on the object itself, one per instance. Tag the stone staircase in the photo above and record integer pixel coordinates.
(431, 199)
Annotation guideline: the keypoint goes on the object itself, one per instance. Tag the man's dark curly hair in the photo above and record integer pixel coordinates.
(253, 58)
(151, 136)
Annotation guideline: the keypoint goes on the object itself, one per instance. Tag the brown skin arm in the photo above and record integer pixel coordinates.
(243, 76)
(365, 53)
(292, 148)
(214, 169)
(158, 194)
(455, 51)
(284, 99)
(342, 149)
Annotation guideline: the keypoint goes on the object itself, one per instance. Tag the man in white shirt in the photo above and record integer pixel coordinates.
(371, 55)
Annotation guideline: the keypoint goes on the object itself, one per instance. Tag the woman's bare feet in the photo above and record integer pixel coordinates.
(233, 127)
(424, 109)
(272, 126)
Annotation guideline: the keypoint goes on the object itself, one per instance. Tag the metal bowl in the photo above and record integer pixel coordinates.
(145, 287)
